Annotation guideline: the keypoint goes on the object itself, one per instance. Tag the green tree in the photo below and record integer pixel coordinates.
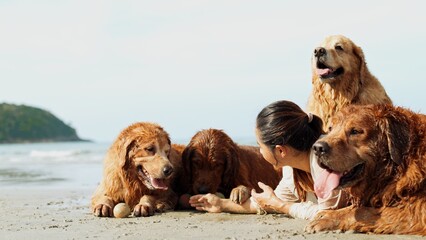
(21, 123)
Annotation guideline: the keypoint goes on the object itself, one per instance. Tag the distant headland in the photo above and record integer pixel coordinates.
(25, 124)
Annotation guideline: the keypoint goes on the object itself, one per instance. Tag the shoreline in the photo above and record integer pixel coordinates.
(46, 141)
(52, 213)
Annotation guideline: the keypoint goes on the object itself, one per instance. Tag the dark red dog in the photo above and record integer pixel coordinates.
(215, 163)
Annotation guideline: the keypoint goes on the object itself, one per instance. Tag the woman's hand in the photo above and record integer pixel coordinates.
(267, 200)
(209, 202)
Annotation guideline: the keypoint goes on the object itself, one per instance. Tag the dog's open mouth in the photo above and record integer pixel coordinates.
(149, 181)
(349, 177)
(326, 72)
(330, 180)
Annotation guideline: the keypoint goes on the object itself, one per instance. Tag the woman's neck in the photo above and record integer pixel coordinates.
(300, 160)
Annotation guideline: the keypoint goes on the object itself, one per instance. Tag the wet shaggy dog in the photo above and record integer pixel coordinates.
(378, 153)
(213, 162)
(139, 170)
(340, 77)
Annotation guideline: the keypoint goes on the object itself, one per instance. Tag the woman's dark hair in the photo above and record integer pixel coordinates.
(285, 123)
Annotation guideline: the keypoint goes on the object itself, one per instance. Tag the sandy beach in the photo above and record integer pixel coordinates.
(52, 213)
(45, 191)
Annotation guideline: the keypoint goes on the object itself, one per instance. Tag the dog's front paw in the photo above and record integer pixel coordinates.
(143, 210)
(240, 194)
(322, 222)
(162, 207)
(103, 210)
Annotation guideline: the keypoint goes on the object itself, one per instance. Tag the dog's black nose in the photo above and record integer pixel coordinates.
(203, 189)
(320, 148)
(168, 170)
(319, 51)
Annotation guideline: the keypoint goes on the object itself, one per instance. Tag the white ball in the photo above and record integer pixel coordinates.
(121, 210)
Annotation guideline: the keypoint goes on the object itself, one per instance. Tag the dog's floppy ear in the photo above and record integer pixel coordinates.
(231, 165)
(363, 70)
(121, 151)
(396, 130)
(359, 53)
(186, 160)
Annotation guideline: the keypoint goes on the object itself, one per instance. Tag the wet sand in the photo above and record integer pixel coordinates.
(40, 213)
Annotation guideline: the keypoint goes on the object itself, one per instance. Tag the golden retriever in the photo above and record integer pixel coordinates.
(213, 162)
(139, 169)
(378, 153)
(340, 77)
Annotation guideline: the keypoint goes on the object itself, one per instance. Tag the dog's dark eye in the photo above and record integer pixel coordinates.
(329, 128)
(355, 131)
(338, 47)
(149, 149)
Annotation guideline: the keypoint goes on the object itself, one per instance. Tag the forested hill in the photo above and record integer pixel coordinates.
(20, 123)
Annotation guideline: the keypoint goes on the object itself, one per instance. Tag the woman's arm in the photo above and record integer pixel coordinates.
(212, 203)
(265, 201)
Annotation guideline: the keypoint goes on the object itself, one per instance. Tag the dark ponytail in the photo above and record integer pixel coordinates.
(285, 123)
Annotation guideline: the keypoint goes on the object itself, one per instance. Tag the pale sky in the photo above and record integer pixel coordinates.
(194, 64)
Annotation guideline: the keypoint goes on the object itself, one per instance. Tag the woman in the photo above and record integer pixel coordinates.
(285, 135)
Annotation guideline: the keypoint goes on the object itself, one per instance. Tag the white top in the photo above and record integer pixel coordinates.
(286, 191)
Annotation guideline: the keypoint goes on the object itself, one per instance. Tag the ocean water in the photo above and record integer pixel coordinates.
(57, 165)
(52, 165)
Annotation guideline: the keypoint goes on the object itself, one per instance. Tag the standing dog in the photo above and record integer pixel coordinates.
(340, 77)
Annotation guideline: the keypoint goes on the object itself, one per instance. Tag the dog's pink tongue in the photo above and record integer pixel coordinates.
(326, 182)
(158, 183)
(324, 71)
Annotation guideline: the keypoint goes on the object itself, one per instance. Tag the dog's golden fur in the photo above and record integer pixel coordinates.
(139, 169)
(381, 151)
(213, 162)
(340, 77)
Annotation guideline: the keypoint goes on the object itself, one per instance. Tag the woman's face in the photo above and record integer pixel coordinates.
(266, 151)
